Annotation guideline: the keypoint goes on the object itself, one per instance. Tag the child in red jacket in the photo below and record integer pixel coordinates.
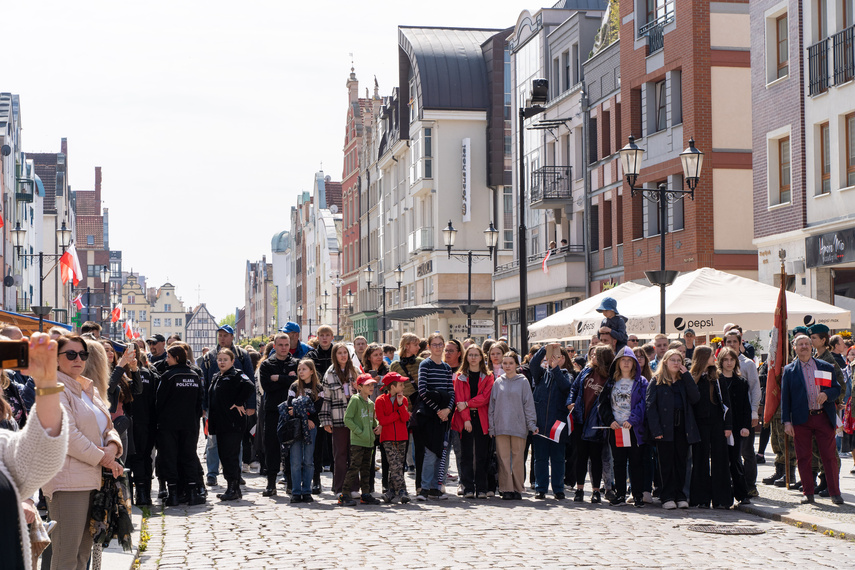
(392, 413)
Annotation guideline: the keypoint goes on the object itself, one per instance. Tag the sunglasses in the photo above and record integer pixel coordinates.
(72, 355)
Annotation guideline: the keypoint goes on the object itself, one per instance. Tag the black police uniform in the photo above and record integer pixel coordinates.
(143, 413)
(228, 389)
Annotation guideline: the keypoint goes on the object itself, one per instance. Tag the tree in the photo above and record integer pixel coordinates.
(228, 320)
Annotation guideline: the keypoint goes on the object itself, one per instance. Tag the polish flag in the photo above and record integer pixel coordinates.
(545, 259)
(129, 329)
(822, 378)
(69, 266)
(555, 432)
(78, 301)
(570, 424)
(622, 438)
(116, 314)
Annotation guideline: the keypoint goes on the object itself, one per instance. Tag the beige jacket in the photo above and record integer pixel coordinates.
(81, 470)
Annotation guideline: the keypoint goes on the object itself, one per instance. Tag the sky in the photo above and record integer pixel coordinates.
(207, 118)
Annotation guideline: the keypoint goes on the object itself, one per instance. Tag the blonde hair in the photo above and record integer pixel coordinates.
(324, 329)
(97, 368)
(406, 339)
(662, 376)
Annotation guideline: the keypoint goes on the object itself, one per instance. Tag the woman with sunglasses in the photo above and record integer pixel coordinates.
(92, 444)
(178, 407)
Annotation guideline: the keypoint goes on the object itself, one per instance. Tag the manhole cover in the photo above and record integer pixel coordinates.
(725, 529)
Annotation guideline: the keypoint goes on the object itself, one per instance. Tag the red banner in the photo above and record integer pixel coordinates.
(777, 354)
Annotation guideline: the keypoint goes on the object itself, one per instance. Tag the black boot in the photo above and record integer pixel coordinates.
(172, 496)
(822, 487)
(779, 473)
(196, 497)
(162, 491)
(782, 482)
(144, 495)
(232, 492)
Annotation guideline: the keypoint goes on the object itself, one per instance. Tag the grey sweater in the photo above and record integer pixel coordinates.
(512, 407)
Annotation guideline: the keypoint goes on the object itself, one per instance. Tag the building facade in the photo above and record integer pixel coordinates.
(201, 330)
(260, 299)
(135, 305)
(167, 312)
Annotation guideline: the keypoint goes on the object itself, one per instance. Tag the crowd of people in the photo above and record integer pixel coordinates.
(667, 422)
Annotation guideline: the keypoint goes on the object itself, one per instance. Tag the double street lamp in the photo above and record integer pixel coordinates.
(19, 236)
(369, 279)
(348, 299)
(300, 318)
(491, 237)
(692, 160)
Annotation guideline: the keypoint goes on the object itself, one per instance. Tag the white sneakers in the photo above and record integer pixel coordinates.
(682, 504)
(669, 505)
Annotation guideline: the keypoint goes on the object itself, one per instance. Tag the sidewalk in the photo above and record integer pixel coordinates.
(779, 504)
(114, 558)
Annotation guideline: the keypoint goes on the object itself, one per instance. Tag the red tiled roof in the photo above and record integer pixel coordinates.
(333, 190)
(86, 204)
(45, 164)
(90, 226)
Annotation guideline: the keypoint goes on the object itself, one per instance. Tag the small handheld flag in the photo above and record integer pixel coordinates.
(622, 438)
(570, 424)
(822, 378)
(555, 432)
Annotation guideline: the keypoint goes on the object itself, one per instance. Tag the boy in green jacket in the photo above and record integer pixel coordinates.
(363, 425)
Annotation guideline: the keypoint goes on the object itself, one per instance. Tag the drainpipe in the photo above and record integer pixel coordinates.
(586, 233)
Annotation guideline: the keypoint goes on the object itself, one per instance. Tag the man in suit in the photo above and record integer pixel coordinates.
(808, 393)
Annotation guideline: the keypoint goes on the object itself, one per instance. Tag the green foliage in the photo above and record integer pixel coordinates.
(256, 342)
(228, 320)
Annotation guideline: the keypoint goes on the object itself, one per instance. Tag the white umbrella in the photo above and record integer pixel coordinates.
(564, 324)
(706, 299)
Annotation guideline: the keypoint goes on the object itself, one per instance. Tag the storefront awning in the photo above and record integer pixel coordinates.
(411, 313)
(28, 323)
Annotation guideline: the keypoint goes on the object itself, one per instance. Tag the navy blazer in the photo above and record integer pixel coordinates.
(794, 402)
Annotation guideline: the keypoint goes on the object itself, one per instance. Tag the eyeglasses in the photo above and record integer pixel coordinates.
(150, 342)
(435, 345)
(72, 355)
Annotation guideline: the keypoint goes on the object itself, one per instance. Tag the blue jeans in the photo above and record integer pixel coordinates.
(546, 452)
(303, 464)
(212, 457)
(429, 470)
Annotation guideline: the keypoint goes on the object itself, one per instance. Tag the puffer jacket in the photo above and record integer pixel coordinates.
(551, 388)
(637, 402)
(81, 470)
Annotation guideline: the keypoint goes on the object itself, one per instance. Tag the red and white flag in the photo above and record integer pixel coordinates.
(570, 424)
(78, 301)
(555, 432)
(822, 378)
(622, 438)
(777, 355)
(129, 329)
(545, 259)
(116, 314)
(69, 266)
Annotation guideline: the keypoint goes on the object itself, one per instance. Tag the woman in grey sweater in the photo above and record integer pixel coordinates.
(512, 416)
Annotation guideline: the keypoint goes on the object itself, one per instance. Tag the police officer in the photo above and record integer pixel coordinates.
(230, 388)
(276, 374)
(157, 352)
(178, 404)
(143, 411)
(243, 363)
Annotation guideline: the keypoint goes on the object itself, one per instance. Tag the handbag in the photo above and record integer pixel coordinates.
(288, 428)
(39, 540)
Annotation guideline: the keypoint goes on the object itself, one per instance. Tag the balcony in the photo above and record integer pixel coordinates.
(551, 187)
(571, 252)
(655, 30)
(842, 46)
(420, 240)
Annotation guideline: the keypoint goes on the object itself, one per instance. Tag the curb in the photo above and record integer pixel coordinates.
(829, 527)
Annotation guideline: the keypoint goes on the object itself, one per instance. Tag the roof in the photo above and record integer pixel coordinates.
(448, 66)
(86, 204)
(281, 242)
(45, 166)
(90, 226)
(581, 4)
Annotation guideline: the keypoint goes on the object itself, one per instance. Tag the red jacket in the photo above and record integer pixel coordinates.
(481, 402)
(393, 418)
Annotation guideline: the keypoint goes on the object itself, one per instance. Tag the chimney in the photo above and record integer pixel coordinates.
(97, 188)
(63, 146)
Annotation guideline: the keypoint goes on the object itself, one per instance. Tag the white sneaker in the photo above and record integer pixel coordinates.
(356, 494)
(450, 477)
(244, 468)
(669, 505)
(255, 466)
(647, 497)
(682, 504)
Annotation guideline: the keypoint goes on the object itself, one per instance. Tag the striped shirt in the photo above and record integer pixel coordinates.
(809, 374)
(435, 377)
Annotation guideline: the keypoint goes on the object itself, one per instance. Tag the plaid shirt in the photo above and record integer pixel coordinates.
(336, 398)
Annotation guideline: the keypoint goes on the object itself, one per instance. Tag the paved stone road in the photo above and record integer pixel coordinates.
(260, 532)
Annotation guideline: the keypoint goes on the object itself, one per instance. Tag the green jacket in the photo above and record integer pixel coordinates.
(361, 420)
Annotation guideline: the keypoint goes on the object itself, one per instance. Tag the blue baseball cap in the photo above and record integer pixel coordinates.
(226, 328)
(290, 327)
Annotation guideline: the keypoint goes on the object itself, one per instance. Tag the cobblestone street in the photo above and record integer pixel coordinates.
(259, 532)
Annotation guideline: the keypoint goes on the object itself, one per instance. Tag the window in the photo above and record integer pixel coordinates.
(131, 299)
(595, 227)
(143, 316)
(607, 134)
(821, 19)
(650, 211)
(824, 160)
(619, 206)
(93, 270)
(577, 65)
(167, 308)
(508, 217)
(661, 108)
(179, 322)
(784, 170)
(607, 224)
(675, 209)
(132, 315)
(167, 322)
(155, 322)
(428, 152)
(592, 140)
(90, 240)
(850, 149)
(556, 82)
(782, 44)
(565, 57)
(676, 90)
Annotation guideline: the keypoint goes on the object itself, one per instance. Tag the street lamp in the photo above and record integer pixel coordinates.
(19, 236)
(539, 96)
(692, 160)
(300, 318)
(105, 276)
(348, 299)
(369, 278)
(491, 237)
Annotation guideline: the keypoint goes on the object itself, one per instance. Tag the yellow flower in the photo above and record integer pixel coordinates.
(716, 340)
(846, 334)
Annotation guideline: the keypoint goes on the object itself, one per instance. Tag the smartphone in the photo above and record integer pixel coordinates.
(14, 354)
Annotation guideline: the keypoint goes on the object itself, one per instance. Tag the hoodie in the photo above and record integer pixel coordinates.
(637, 401)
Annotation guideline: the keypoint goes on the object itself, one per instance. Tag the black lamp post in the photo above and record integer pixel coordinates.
(692, 160)
(300, 318)
(107, 321)
(348, 301)
(539, 96)
(19, 235)
(369, 278)
(491, 237)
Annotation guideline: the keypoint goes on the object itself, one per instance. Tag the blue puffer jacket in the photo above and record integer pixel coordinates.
(637, 402)
(551, 388)
(577, 393)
